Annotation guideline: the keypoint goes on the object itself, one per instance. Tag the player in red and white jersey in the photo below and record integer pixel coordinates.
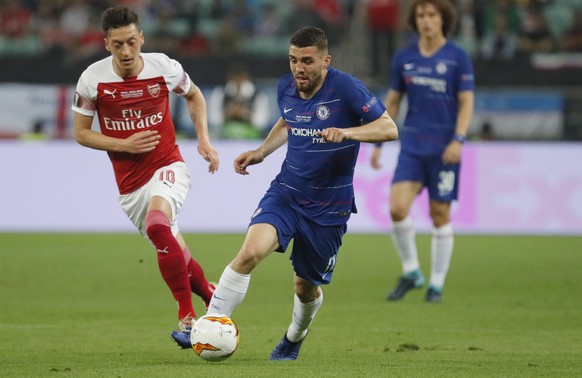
(129, 93)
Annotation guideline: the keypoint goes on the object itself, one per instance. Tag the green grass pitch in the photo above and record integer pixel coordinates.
(95, 305)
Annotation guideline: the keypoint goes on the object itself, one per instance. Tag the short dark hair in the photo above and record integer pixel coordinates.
(444, 7)
(116, 17)
(310, 36)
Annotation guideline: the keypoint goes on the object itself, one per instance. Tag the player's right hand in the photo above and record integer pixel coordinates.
(209, 154)
(141, 142)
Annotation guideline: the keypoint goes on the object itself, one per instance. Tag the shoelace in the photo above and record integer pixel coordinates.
(185, 324)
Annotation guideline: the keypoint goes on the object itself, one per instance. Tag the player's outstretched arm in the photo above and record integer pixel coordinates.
(199, 116)
(138, 143)
(276, 138)
(382, 129)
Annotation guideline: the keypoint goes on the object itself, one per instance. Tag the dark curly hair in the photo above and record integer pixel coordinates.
(310, 36)
(444, 7)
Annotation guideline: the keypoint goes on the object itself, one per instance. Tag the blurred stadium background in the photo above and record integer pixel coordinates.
(520, 172)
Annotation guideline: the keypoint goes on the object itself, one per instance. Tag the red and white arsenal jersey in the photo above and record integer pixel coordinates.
(134, 104)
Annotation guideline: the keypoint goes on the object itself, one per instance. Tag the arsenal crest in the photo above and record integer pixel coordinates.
(154, 89)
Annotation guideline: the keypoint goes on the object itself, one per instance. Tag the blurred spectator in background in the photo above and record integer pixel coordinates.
(466, 34)
(269, 22)
(90, 42)
(218, 10)
(16, 33)
(238, 108)
(15, 19)
(535, 37)
(302, 13)
(499, 43)
(195, 43)
(167, 32)
(245, 19)
(383, 22)
(46, 24)
(189, 12)
(228, 38)
(75, 17)
(486, 132)
(334, 18)
(491, 8)
(571, 39)
(255, 27)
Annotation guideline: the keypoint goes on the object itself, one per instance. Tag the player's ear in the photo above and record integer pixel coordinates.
(106, 44)
(327, 61)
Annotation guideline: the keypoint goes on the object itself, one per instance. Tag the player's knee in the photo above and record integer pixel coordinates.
(306, 293)
(246, 259)
(399, 210)
(398, 213)
(156, 222)
(439, 216)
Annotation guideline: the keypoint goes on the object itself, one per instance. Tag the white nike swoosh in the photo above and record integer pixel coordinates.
(285, 110)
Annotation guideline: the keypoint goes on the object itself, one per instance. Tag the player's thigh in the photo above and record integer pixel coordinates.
(275, 209)
(261, 239)
(135, 205)
(168, 187)
(169, 184)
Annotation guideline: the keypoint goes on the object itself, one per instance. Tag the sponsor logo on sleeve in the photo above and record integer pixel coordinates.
(366, 108)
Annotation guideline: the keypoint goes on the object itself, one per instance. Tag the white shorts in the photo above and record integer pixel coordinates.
(171, 183)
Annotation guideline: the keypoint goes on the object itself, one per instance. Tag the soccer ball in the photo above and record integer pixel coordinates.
(214, 337)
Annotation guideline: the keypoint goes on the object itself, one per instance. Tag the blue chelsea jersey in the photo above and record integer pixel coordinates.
(431, 85)
(318, 176)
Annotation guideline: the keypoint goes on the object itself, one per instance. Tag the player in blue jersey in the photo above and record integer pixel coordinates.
(437, 78)
(325, 114)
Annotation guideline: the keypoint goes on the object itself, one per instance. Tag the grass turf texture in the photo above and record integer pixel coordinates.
(95, 305)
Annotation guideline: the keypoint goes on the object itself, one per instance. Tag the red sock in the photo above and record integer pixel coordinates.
(198, 282)
(170, 261)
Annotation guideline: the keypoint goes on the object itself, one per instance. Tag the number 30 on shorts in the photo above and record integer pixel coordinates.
(447, 182)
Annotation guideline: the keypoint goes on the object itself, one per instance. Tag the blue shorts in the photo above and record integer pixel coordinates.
(442, 180)
(315, 247)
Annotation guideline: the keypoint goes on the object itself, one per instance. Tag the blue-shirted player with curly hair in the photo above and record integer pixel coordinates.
(437, 78)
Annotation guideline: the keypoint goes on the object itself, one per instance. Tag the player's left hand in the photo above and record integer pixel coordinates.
(452, 154)
(247, 158)
(209, 154)
(375, 158)
(333, 135)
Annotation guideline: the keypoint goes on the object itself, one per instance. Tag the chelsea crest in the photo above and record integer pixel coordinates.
(322, 112)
